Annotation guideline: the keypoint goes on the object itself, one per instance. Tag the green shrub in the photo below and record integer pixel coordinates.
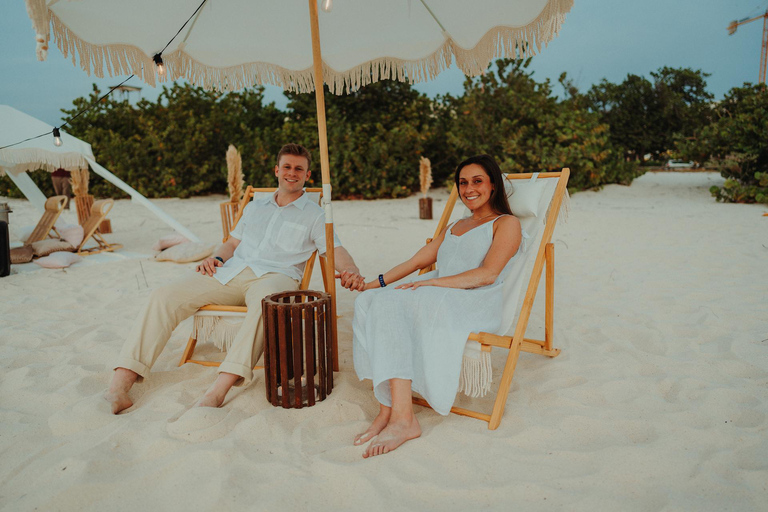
(736, 145)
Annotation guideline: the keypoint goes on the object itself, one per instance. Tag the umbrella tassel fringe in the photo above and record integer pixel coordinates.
(124, 59)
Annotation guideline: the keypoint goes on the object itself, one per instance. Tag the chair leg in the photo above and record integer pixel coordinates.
(549, 305)
(505, 385)
(189, 350)
(322, 271)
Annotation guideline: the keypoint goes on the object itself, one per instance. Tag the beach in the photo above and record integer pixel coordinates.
(658, 401)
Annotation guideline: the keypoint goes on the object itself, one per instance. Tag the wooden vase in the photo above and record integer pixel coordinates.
(228, 215)
(425, 208)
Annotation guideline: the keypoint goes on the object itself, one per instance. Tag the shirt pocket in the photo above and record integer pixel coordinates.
(292, 237)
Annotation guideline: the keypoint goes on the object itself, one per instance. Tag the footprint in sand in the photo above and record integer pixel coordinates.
(203, 424)
(90, 413)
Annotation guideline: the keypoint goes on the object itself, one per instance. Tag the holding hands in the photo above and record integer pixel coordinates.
(351, 280)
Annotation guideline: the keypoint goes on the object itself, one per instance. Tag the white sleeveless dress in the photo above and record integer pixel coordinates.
(420, 334)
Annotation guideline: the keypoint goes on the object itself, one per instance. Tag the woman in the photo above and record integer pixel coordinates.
(412, 336)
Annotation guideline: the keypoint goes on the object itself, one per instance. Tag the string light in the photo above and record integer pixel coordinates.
(159, 64)
(56, 137)
(327, 5)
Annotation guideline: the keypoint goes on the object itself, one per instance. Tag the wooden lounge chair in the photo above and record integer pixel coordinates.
(53, 208)
(541, 255)
(215, 310)
(99, 212)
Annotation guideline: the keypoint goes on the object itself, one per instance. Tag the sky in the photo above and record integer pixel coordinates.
(600, 39)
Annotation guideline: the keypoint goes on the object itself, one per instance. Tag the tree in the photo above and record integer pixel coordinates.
(736, 143)
(505, 113)
(645, 117)
(375, 137)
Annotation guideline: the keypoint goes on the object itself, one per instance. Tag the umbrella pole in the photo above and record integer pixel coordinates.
(325, 169)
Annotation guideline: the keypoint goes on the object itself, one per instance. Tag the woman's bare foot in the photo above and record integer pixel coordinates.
(395, 434)
(117, 394)
(377, 426)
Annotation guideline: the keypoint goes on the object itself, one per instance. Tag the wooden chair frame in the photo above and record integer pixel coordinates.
(517, 342)
(186, 356)
(99, 211)
(53, 208)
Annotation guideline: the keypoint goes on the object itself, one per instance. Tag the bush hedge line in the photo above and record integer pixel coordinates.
(175, 146)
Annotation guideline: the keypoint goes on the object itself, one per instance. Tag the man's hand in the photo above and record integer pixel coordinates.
(351, 280)
(208, 266)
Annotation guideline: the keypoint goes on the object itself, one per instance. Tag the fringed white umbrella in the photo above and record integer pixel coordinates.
(241, 43)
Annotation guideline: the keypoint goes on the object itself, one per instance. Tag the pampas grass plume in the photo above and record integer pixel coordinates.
(425, 175)
(234, 174)
(79, 180)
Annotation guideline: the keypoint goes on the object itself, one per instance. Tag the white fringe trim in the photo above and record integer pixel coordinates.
(38, 13)
(221, 330)
(122, 59)
(476, 373)
(565, 209)
(31, 159)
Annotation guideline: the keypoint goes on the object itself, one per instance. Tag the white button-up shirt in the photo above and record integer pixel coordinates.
(276, 238)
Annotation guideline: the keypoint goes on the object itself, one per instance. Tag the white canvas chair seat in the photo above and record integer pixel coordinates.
(217, 327)
(537, 200)
(219, 324)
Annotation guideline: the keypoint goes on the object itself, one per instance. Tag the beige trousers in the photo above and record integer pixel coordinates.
(171, 304)
(62, 187)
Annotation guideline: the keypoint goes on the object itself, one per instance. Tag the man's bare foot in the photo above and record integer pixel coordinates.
(117, 394)
(377, 426)
(211, 399)
(216, 394)
(118, 400)
(395, 434)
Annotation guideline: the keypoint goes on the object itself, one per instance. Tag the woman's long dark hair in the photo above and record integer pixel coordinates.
(498, 199)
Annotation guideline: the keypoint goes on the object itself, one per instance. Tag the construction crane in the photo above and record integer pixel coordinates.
(732, 26)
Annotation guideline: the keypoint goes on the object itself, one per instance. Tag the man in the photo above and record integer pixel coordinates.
(61, 184)
(264, 254)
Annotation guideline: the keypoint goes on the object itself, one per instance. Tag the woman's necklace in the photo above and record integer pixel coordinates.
(484, 217)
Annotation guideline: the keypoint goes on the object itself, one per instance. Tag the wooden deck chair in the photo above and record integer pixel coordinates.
(545, 200)
(99, 211)
(215, 312)
(53, 208)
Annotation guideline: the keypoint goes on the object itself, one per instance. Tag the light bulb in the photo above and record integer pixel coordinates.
(327, 5)
(56, 137)
(159, 64)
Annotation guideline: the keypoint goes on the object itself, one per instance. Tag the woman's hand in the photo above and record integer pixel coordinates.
(416, 284)
(208, 266)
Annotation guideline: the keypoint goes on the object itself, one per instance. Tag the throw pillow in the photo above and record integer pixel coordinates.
(22, 254)
(49, 245)
(58, 260)
(186, 252)
(169, 241)
(525, 196)
(72, 233)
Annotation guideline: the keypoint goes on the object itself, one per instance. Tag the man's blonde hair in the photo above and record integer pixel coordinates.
(296, 150)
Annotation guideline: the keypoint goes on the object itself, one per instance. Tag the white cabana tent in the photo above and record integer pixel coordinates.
(41, 153)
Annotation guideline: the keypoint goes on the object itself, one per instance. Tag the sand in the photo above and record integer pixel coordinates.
(657, 402)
